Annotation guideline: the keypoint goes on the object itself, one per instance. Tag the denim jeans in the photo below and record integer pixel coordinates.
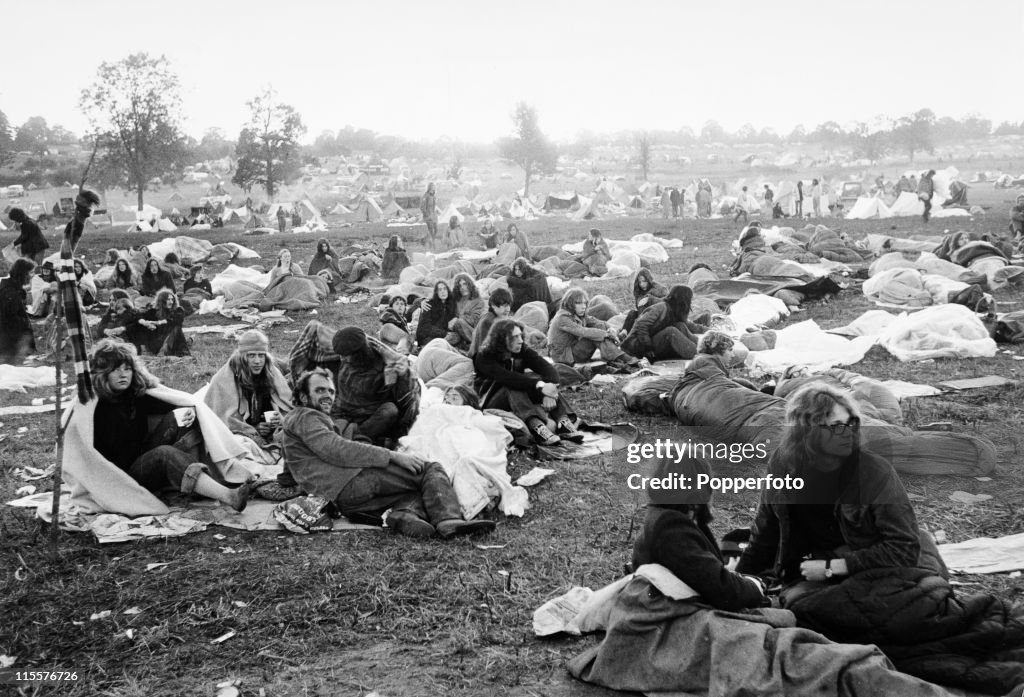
(428, 495)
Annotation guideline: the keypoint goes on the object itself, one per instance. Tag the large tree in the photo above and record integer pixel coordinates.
(268, 146)
(528, 147)
(913, 133)
(643, 157)
(134, 108)
(33, 136)
(6, 141)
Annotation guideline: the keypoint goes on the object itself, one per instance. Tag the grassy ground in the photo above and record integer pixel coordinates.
(348, 613)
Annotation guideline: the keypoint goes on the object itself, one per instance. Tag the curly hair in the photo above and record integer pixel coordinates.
(110, 354)
(496, 343)
(21, 271)
(571, 297)
(715, 344)
(474, 292)
(160, 303)
(302, 384)
(808, 409)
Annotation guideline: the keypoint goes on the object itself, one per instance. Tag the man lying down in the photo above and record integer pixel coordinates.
(853, 568)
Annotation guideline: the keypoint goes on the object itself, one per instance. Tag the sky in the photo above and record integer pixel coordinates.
(447, 68)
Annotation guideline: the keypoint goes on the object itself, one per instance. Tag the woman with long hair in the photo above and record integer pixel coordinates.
(326, 261)
(528, 284)
(502, 381)
(455, 235)
(573, 335)
(16, 336)
(499, 305)
(155, 279)
(395, 259)
(163, 322)
(664, 332)
(122, 277)
(197, 283)
(435, 315)
(161, 457)
(394, 326)
(646, 294)
(86, 283)
(469, 308)
(284, 267)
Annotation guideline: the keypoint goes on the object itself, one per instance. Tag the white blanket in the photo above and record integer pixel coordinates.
(806, 344)
(985, 555)
(649, 252)
(18, 378)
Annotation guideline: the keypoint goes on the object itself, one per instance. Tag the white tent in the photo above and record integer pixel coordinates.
(908, 204)
(366, 211)
(341, 209)
(586, 211)
(450, 212)
(869, 207)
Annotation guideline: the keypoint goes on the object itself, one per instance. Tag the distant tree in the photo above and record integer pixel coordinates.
(135, 107)
(6, 140)
(326, 144)
(33, 136)
(214, 145)
(62, 136)
(528, 147)
(712, 132)
(768, 135)
(977, 127)
(268, 146)
(868, 143)
(829, 134)
(746, 134)
(686, 136)
(1009, 128)
(643, 155)
(913, 133)
(798, 134)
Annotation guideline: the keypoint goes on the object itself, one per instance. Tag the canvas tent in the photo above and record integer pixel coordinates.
(587, 210)
(870, 207)
(561, 201)
(365, 211)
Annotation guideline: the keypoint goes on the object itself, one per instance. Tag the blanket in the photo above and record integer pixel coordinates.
(440, 365)
(655, 643)
(985, 555)
(913, 615)
(285, 293)
(225, 400)
(99, 486)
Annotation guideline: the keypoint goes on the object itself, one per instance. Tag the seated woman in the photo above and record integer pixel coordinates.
(527, 285)
(435, 315)
(469, 308)
(395, 259)
(86, 283)
(120, 320)
(250, 393)
(502, 381)
(161, 332)
(499, 305)
(16, 337)
(284, 267)
(664, 332)
(455, 235)
(855, 566)
(325, 260)
(122, 277)
(155, 279)
(596, 254)
(197, 284)
(488, 235)
(144, 436)
(574, 336)
(394, 328)
(656, 643)
(646, 293)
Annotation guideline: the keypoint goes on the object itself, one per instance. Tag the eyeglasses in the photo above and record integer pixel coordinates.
(839, 429)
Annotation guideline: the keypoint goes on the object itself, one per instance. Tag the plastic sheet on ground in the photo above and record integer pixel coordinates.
(649, 252)
(985, 555)
(755, 311)
(903, 390)
(18, 378)
(673, 243)
(222, 282)
(941, 331)
(806, 344)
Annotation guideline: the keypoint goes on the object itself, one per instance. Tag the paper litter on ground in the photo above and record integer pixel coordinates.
(985, 555)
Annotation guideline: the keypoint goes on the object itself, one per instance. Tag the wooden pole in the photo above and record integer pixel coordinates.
(58, 470)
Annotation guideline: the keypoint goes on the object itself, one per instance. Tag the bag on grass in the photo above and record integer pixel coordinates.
(305, 514)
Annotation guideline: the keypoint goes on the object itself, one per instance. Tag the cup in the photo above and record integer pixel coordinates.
(271, 416)
(181, 415)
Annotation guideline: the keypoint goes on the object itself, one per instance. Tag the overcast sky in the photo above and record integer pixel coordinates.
(427, 69)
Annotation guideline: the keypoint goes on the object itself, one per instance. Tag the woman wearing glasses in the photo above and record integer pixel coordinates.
(852, 513)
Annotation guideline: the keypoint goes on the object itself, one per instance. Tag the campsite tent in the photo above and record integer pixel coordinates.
(870, 207)
(561, 201)
(340, 209)
(366, 210)
(587, 210)
(450, 212)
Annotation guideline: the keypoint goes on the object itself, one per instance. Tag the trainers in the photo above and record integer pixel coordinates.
(568, 431)
(409, 524)
(457, 527)
(542, 434)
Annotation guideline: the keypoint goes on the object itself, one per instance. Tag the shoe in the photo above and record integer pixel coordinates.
(568, 431)
(542, 434)
(457, 527)
(409, 524)
(240, 495)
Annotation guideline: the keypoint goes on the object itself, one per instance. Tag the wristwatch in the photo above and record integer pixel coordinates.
(828, 568)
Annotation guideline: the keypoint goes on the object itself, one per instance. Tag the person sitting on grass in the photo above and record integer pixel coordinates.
(394, 327)
(122, 277)
(435, 315)
(197, 284)
(43, 290)
(173, 265)
(16, 336)
(250, 393)
(574, 336)
(155, 279)
(455, 235)
(596, 254)
(646, 294)
(165, 456)
(284, 267)
(469, 308)
(488, 235)
(120, 320)
(502, 381)
(528, 285)
(163, 323)
(363, 479)
(325, 262)
(664, 332)
(499, 305)
(377, 393)
(395, 259)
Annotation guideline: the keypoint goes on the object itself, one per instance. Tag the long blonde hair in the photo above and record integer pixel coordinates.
(808, 410)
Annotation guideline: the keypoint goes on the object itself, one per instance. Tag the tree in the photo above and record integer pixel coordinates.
(798, 134)
(34, 136)
(268, 146)
(643, 157)
(62, 136)
(214, 145)
(868, 143)
(712, 132)
(6, 141)
(528, 147)
(135, 109)
(829, 134)
(913, 133)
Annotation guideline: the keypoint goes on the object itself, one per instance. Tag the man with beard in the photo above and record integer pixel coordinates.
(362, 479)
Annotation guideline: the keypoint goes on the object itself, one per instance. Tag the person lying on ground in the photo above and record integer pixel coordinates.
(377, 393)
(502, 381)
(16, 336)
(462, 395)
(163, 322)
(469, 308)
(249, 393)
(499, 305)
(394, 328)
(528, 284)
(363, 479)
(161, 457)
(439, 364)
(435, 315)
(595, 254)
(573, 335)
(155, 279)
(664, 332)
(395, 259)
(716, 353)
(646, 293)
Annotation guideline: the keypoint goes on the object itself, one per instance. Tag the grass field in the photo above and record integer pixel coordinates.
(350, 613)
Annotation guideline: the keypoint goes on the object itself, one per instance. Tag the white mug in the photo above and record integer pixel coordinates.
(181, 415)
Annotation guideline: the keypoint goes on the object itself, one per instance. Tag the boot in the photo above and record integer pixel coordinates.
(568, 431)
(541, 433)
(458, 527)
(409, 524)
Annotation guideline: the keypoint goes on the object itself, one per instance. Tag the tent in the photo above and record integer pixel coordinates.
(340, 209)
(523, 210)
(908, 204)
(587, 210)
(365, 211)
(870, 207)
(393, 210)
(561, 201)
(450, 212)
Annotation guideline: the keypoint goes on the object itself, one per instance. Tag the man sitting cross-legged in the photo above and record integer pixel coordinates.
(363, 479)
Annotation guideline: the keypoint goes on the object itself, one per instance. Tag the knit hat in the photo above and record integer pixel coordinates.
(253, 341)
(348, 341)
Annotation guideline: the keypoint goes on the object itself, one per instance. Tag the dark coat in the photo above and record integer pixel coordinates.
(31, 238)
(494, 372)
(153, 283)
(433, 324)
(529, 289)
(16, 336)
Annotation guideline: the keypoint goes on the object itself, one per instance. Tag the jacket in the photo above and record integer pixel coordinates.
(528, 289)
(320, 458)
(567, 330)
(640, 342)
(494, 373)
(433, 324)
(31, 239)
(152, 284)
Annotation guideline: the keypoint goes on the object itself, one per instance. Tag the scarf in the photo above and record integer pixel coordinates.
(67, 284)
